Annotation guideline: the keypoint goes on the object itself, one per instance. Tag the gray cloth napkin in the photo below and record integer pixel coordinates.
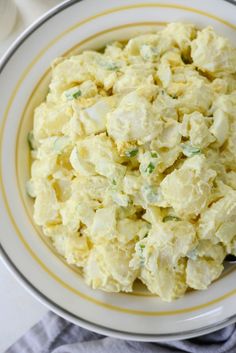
(56, 335)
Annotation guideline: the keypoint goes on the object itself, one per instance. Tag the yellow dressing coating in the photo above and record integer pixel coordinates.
(134, 167)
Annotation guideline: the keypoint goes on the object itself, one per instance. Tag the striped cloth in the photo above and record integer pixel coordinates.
(56, 335)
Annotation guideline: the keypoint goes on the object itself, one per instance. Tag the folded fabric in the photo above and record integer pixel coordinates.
(56, 335)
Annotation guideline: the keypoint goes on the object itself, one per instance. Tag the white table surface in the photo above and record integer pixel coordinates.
(18, 309)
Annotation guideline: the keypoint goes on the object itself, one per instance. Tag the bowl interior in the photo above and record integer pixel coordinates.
(38, 95)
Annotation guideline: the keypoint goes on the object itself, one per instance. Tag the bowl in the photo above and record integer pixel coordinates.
(24, 77)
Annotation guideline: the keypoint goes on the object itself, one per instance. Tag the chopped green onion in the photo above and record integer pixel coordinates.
(170, 218)
(146, 234)
(110, 66)
(190, 151)
(142, 246)
(150, 168)
(154, 155)
(73, 94)
(132, 153)
(31, 141)
(77, 94)
(113, 182)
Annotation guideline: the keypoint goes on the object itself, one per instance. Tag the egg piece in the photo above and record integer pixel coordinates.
(165, 107)
(181, 34)
(132, 77)
(202, 272)
(45, 205)
(86, 195)
(73, 128)
(226, 103)
(188, 189)
(197, 96)
(133, 119)
(218, 221)
(79, 164)
(49, 119)
(196, 127)
(169, 137)
(44, 167)
(90, 65)
(97, 155)
(132, 183)
(155, 41)
(212, 53)
(108, 268)
(180, 235)
(93, 118)
(164, 73)
(129, 230)
(204, 264)
(104, 224)
(220, 126)
(70, 215)
(168, 283)
(160, 257)
(231, 179)
(71, 245)
(92, 188)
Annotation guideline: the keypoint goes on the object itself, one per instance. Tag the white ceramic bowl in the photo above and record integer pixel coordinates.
(23, 81)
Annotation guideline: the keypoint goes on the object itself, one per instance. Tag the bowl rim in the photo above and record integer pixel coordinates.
(29, 286)
(43, 299)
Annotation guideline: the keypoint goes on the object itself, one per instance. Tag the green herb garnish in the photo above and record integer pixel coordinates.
(77, 94)
(113, 182)
(150, 168)
(132, 153)
(189, 150)
(111, 66)
(154, 155)
(73, 94)
(170, 218)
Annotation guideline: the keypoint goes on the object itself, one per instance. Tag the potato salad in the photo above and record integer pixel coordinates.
(133, 169)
